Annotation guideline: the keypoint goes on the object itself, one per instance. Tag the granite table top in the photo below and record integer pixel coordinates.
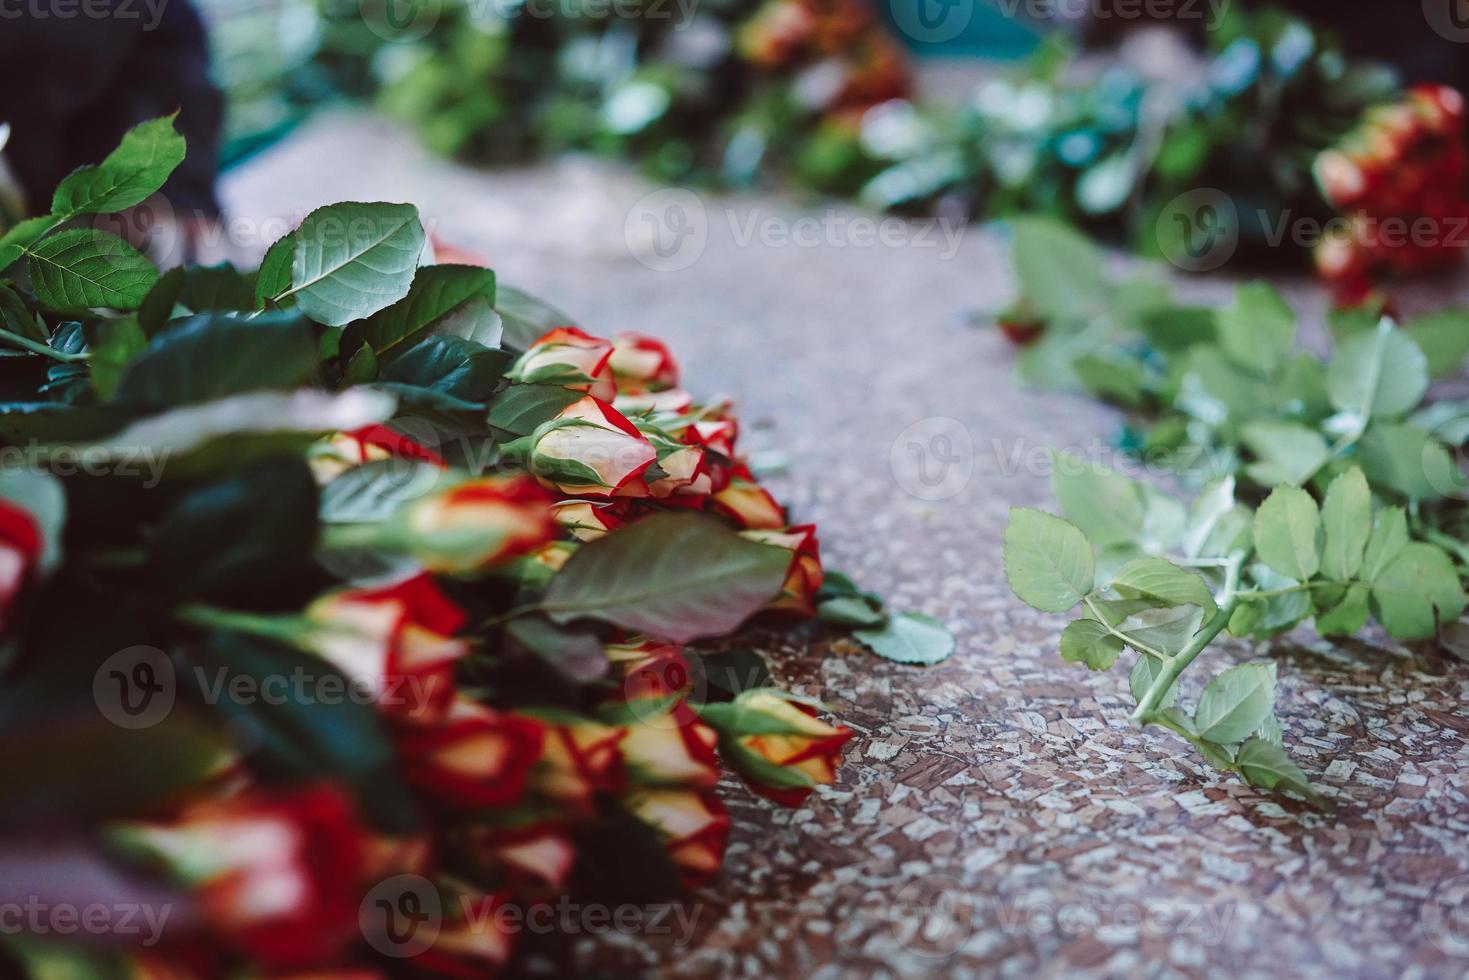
(995, 816)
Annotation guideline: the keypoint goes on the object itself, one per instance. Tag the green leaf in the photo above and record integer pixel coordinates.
(1236, 702)
(526, 318)
(576, 654)
(1443, 336)
(521, 409)
(22, 236)
(437, 290)
(909, 638)
(1048, 562)
(1389, 535)
(1348, 616)
(1408, 461)
(1108, 508)
(118, 342)
(1257, 331)
(1347, 518)
(1166, 629)
(216, 288)
(1060, 271)
(1405, 594)
(1144, 673)
(1267, 766)
(1285, 452)
(451, 365)
(157, 307)
(674, 576)
(352, 260)
(1278, 612)
(1087, 641)
(1376, 374)
(1287, 533)
(238, 540)
(230, 432)
(852, 611)
(1216, 524)
(295, 739)
(1165, 582)
(213, 355)
(83, 268)
(274, 275)
(133, 172)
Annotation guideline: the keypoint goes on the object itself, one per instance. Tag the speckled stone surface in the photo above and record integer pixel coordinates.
(996, 816)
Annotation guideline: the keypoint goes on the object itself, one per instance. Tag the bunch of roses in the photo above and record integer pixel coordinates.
(1399, 182)
(504, 614)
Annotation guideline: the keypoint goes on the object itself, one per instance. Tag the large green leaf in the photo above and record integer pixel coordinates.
(1235, 703)
(521, 409)
(675, 576)
(1060, 271)
(1107, 507)
(526, 318)
(909, 638)
(1267, 766)
(134, 171)
(1382, 373)
(1163, 581)
(209, 356)
(1347, 517)
(1048, 561)
(1408, 461)
(274, 275)
(1288, 533)
(1285, 452)
(1258, 330)
(1087, 641)
(84, 268)
(436, 291)
(451, 365)
(1418, 589)
(352, 260)
(1443, 336)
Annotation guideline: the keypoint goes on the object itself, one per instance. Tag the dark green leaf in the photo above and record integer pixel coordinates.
(83, 268)
(352, 260)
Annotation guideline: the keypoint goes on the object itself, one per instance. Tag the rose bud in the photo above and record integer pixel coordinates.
(1342, 181)
(369, 444)
(395, 642)
(642, 364)
(278, 877)
(535, 569)
(586, 519)
(579, 759)
(476, 757)
(780, 747)
(747, 503)
(650, 669)
(693, 825)
(672, 401)
(568, 358)
(476, 524)
(540, 853)
(678, 466)
(589, 450)
(671, 748)
(20, 548)
(473, 942)
(805, 576)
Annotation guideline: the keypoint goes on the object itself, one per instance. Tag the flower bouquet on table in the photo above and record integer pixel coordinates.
(348, 608)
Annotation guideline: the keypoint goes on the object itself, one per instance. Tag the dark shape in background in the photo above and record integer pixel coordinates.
(71, 87)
